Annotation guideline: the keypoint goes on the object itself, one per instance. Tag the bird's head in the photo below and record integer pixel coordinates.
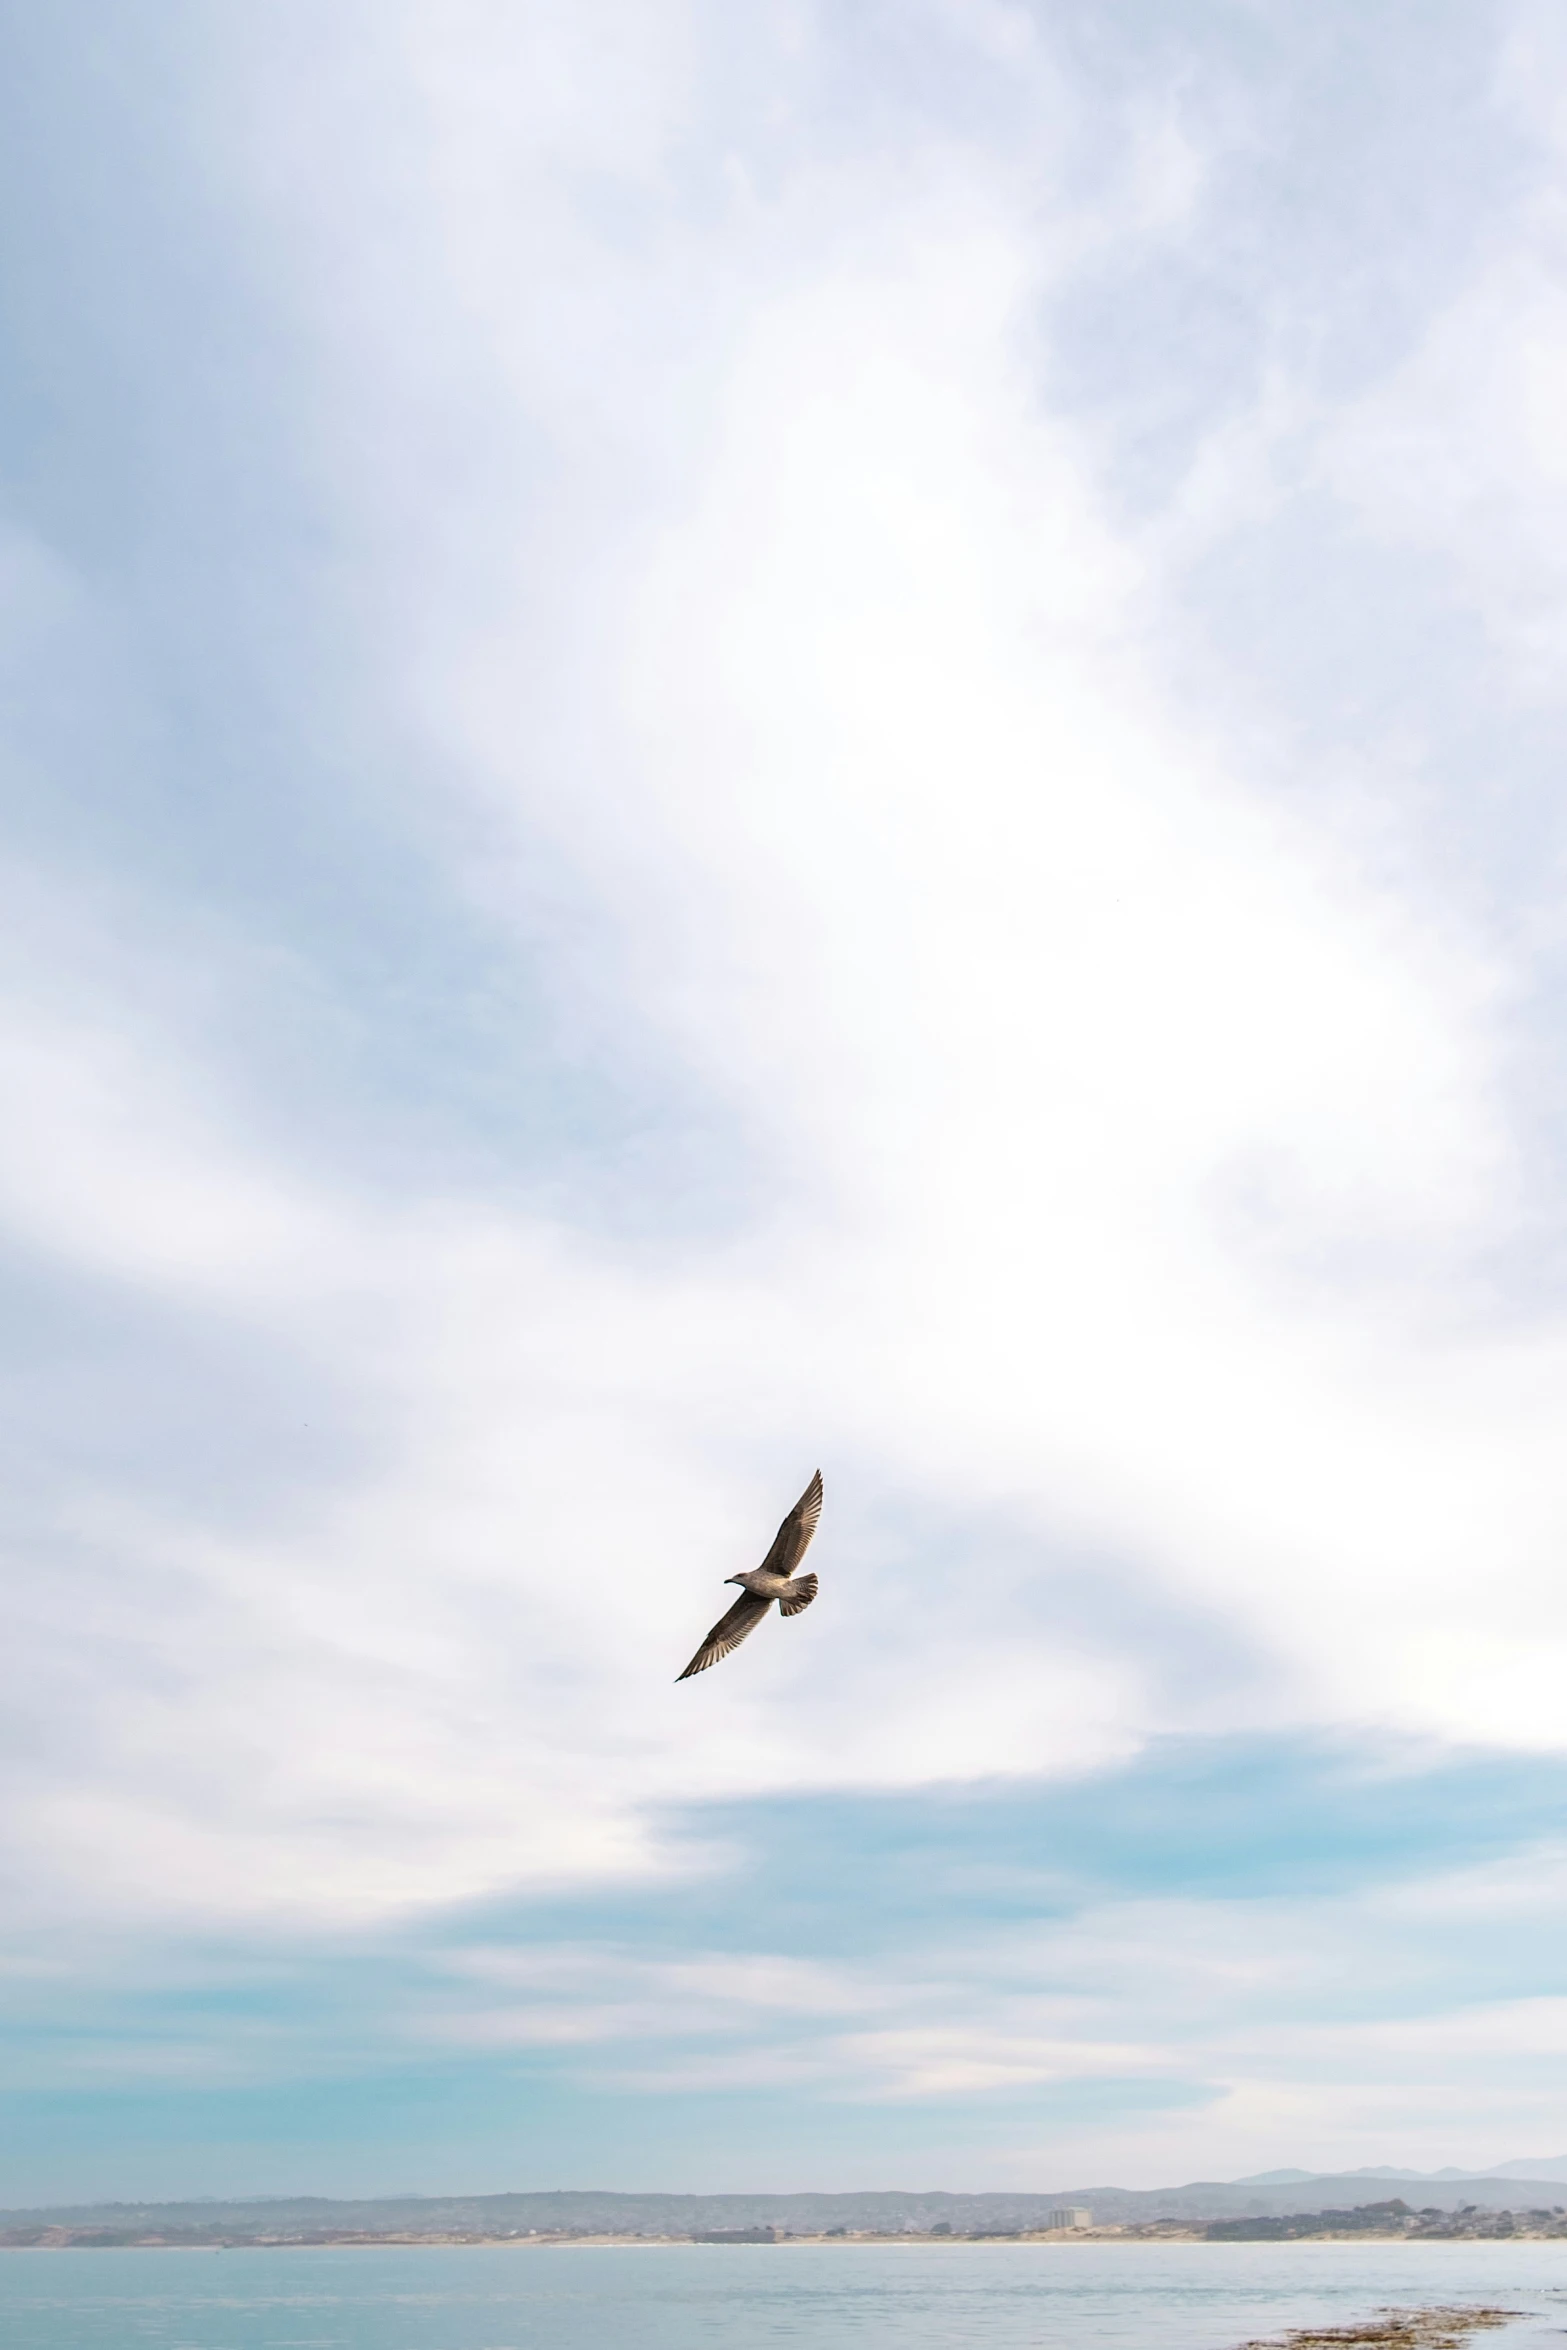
(734, 1578)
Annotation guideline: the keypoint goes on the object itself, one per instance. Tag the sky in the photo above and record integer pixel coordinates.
(827, 733)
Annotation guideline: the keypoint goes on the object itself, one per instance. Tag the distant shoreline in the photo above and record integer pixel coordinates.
(1130, 2239)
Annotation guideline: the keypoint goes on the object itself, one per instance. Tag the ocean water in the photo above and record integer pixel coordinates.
(745, 2297)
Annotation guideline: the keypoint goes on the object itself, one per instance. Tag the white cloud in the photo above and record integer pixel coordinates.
(1126, 1159)
(1117, 1161)
(1137, 1157)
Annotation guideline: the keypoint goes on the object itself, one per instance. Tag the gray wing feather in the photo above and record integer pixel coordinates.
(793, 1536)
(728, 1633)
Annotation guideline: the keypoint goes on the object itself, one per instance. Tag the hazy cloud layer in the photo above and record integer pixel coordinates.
(735, 742)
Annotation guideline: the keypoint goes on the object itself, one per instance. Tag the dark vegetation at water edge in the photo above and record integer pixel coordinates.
(1392, 2218)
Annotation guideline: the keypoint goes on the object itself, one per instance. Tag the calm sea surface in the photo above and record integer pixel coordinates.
(742, 2297)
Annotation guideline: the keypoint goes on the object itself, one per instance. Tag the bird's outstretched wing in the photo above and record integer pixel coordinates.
(789, 1543)
(728, 1633)
(800, 1595)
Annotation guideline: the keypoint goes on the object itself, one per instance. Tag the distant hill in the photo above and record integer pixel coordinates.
(1552, 2166)
(588, 2212)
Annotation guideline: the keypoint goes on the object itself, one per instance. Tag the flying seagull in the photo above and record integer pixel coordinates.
(774, 1579)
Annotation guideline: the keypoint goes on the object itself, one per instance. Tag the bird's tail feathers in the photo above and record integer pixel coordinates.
(801, 1595)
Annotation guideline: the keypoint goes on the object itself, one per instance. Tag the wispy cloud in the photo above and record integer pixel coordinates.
(736, 743)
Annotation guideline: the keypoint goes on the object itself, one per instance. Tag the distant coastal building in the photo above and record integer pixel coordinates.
(1069, 2215)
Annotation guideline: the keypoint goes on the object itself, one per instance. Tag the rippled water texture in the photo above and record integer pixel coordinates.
(808, 2297)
